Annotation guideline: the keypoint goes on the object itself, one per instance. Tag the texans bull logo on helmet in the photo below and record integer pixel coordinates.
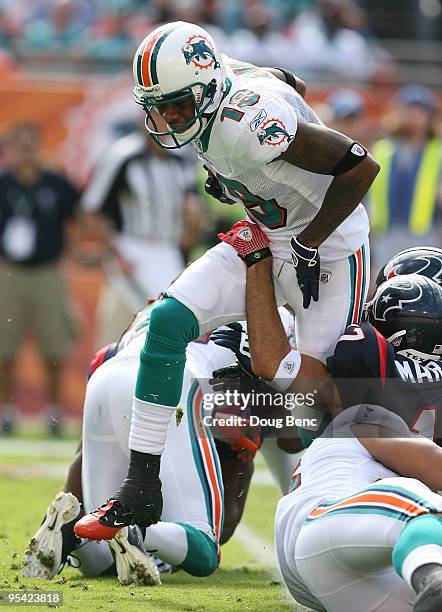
(426, 261)
(428, 265)
(391, 298)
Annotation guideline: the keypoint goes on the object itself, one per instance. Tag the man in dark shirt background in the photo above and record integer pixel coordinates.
(35, 205)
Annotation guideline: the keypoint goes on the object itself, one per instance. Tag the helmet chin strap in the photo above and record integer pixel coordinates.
(194, 129)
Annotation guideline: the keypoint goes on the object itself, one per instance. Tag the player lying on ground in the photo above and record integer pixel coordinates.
(191, 526)
(267, 150)
(362, 528)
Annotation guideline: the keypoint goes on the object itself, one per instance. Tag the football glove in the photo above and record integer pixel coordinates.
(307, 265)
(248, 240)
(214, 188)
(235, 338)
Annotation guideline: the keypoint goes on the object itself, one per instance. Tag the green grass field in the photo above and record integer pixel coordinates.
(31, 472)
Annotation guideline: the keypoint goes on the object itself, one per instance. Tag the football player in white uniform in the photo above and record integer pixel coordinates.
(189, 532)
(361, 529)
(301, 182)
(204, 480)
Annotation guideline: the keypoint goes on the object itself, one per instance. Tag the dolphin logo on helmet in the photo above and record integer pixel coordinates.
(197, 49)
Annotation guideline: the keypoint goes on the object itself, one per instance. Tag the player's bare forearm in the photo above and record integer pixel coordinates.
(342, 197)
(269, 345)
(410, 457)
(319, 149)
(267, 339)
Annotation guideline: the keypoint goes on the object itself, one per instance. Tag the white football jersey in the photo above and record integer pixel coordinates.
(334, 466)
(255, 123)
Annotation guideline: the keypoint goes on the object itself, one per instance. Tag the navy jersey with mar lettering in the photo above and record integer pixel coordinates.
(367, 370)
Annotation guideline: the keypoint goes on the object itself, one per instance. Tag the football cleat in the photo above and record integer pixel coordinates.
(134, 565)
(427, 580)
(105, 522)
(54, 541)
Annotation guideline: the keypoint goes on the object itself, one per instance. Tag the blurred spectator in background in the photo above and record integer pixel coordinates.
(405, 199)
(345, 112)
(143, 202)
(321, 39)
(257, 41)
(58, 31)
(330, 40)
(35, 204)
(7, 31)
(111, 39)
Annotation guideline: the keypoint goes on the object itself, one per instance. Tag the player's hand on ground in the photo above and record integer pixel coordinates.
(235, 338)
(214, 188)
(307, 265)
(248, 240)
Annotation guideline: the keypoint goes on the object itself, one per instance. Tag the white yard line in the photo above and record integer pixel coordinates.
(41, 469)
(20, 447)
(263, 550)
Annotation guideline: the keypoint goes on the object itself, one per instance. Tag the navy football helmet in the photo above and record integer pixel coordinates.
(407, 310)
(417, 260)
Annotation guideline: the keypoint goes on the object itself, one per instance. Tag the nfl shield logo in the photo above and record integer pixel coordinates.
(325, 276)
(288, 366)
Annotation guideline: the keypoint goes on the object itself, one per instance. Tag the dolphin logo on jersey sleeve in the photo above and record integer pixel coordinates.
(273, 132)
(391, 299)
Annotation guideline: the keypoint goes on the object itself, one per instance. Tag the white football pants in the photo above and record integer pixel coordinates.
(214, 287)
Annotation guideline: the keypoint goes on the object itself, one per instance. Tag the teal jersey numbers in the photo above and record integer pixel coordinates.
(268, 212)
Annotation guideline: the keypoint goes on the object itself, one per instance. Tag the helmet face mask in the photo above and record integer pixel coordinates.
(174, 63)
(174, 138)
